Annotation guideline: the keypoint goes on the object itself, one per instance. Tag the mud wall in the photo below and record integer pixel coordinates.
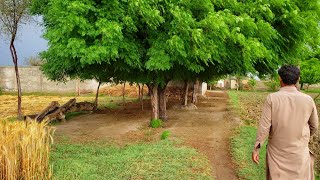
(32, 80)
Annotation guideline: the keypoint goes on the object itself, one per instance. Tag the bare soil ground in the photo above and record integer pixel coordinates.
(207, 128)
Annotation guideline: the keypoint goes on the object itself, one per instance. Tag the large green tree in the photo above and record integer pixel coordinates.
(156, 41)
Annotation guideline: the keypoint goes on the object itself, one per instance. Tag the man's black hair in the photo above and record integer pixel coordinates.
(289, 74)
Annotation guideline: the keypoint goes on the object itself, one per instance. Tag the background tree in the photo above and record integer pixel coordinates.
(33, 61)
(12, 14)
(310, 72)
(252, 83)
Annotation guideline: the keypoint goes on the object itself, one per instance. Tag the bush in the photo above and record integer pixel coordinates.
(24, 150)
(1, 91)
(165, 135)
(156, 123)
(33, 61)
(273, 85)
(252, 83)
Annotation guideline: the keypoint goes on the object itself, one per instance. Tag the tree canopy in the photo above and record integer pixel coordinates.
(160, 40)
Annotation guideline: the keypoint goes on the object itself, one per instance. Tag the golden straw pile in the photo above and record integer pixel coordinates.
(24, 150)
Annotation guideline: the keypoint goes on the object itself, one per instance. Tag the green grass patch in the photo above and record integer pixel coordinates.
(110, 105)
(234, 99)
(165, 135)
(241, 148)
(113, 102)
(74, 114)
(162, 160)
(68, 117)
(242, 144)
(312, 91)
(156, 123)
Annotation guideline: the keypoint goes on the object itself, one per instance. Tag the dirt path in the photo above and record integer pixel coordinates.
(207, 128)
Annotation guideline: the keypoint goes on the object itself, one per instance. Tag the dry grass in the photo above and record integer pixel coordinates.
(31, 104)
(130, 90)
(24, 150)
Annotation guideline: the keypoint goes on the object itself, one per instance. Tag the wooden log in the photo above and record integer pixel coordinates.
(54, 112)
(68, 105)
(59, 114)
(85, 106)
(52, 107)
(30, 117)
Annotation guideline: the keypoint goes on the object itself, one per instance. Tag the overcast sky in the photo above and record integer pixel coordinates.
(28, 43)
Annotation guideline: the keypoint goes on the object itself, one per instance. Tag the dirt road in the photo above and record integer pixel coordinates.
(207, 128)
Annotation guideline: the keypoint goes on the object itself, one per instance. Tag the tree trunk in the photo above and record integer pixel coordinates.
(301, 86)
(78, 87)
(195, 92)
(15, 62)
(97, 96)
(149, 92)
(141, 97)
(185, 93)
(238, 85)
(123, 93)
(153, 89)
(162, 103)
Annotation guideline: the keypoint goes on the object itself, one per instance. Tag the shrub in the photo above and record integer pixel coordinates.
(33, 61)
(252, 83)
(273, 85)
(165, 135)
(24, 150)
(1, 91)
(156, 123)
